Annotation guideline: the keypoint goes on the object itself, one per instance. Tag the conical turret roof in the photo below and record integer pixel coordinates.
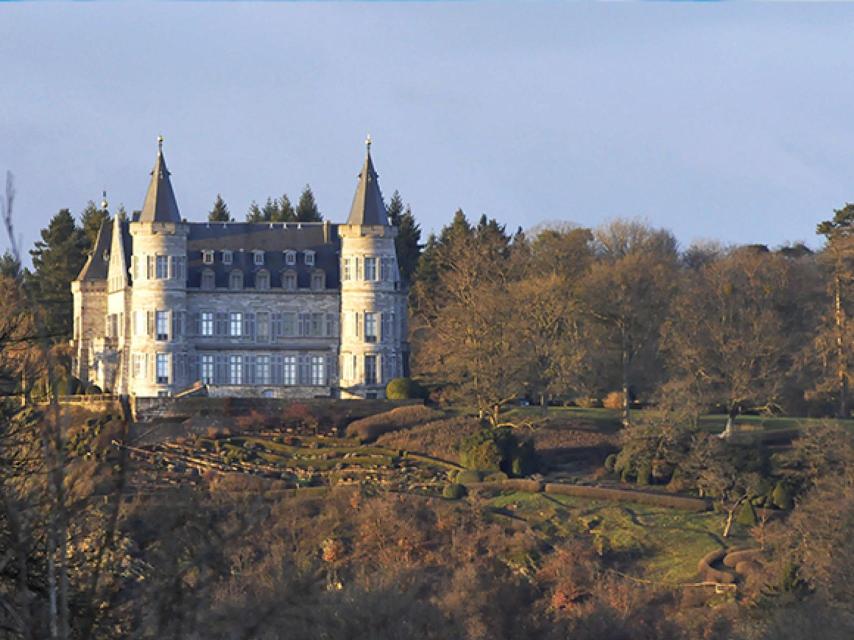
(368, 206)
(160, 204)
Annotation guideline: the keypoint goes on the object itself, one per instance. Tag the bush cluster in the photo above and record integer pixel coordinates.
(372, 427)
(498, 450)
(405, 389)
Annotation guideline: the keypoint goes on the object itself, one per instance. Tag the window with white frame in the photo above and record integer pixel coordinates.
(162, 365)
(235, 369)
(235, 324)
(162, 267)
(207, 257)
(235, 280)
(262, 369)
(208, 279)
(370, 326)
(162, 325)
(346, 268)
(206, 323)
(289, 371)
(182, 268)
(318, 280)
(263, 326)
(309, 258)
(137, 366)
(258, 257)
(370, 268)
(318, 370)
(227, 256)
(385, 269)
(262, 280)
(207, 366)
(290, 258)
(289, 281)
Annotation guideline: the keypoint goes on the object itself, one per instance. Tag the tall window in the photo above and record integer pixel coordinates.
(263, 326)
(235, 370)
(370, 369)
(138, 366)
(162, 324)
(370, 268)
(162, 368)
(318, 280)
(318, 370)
(162, 266)
(385, 269)
(206, 323)
(208, 369)
(235, 324)
(370, 327)
(316, 326)
(208, 279)
(289, 370)
(262, 280)
(235, 280)
(262, 369)
(289, 281)
(346, 268)
(289, 323)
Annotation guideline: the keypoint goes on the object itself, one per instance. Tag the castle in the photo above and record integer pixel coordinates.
(274, 309)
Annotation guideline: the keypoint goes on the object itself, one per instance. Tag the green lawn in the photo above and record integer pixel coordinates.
(647, 542)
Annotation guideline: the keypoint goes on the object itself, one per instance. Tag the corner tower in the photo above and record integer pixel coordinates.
(158, 363)
(373, 303)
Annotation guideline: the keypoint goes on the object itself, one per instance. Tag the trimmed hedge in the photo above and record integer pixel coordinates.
(708, 572)
(404, 389)
(370, 428)
(624, 495)
(453, 491)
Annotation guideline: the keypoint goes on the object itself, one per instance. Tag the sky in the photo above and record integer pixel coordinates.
(732, 122)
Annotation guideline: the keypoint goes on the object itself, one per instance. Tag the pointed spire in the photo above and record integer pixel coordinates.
(160, 204)
(368, 206)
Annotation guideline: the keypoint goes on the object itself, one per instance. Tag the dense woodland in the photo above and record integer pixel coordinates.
(619, 315)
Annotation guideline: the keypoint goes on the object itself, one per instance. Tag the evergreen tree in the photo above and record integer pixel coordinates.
(254, 214)
(10, 267)
(286, 211)
(91, 220)
(220, 212)
(307, 210)
(408, 236)
(270, 210)
(57, 259)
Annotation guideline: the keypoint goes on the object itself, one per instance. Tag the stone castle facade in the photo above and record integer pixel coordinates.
(287, 310)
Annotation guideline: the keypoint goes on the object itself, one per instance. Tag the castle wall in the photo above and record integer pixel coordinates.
(90, 310)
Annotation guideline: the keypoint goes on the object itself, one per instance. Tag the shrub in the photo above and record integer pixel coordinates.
(644, 473)
(613, 400)
(611, 462)
(746, 515)
(439, 438)
(498, 450)
(404, 389)
(372, 427)
(453, 491)
(589, 403)
(93, 390)
(498, 476)
(468, 476)
(781, 497)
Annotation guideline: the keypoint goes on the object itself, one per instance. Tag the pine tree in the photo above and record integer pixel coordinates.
(57, 259)
(254, 214)
(286, 211)
(408, 236)
(307, 210)
(270, 210)
(91, 220)
(10, 267)
(395, 209)
(220, 212)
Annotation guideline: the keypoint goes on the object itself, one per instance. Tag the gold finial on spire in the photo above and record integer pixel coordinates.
(368, 143)
(104, 204)
(160, 143)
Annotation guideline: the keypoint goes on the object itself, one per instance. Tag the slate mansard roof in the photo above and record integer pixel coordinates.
(274, 239)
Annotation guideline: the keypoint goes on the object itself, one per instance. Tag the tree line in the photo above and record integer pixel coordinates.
(565, 312)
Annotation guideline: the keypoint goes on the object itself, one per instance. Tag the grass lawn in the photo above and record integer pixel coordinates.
(647, 542)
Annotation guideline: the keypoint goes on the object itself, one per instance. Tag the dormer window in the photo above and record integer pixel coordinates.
(208, 279)
(258, 258)
(207, 257)
(289, 281)
(318, 280)
(290, 258)
(235, 280)
(309, 258)
(227, 257)
(262, 280)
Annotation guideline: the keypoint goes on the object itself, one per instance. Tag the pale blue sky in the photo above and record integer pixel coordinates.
(727, 121)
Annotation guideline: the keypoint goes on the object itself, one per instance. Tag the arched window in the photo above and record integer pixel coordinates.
(208, 279)
(289, 280)
(235, 280)
(262, 280)
(318, 280)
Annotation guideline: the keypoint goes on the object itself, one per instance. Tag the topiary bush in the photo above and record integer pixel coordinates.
(454, 491)
(781, 496)
(611, 462)
(468, 476)
(404, 389)
(644, 473)
(498, 450)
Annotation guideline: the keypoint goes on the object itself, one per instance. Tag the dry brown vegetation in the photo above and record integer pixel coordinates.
(370, 428)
